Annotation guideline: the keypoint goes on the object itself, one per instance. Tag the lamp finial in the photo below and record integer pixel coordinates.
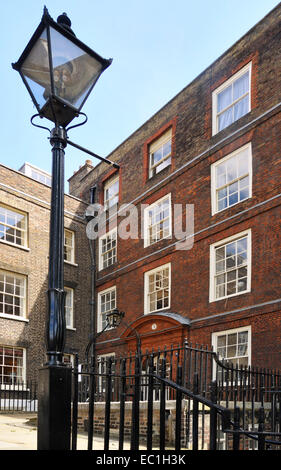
(65, 22)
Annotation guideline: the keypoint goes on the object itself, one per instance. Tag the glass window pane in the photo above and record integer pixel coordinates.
(225, 119)
(233, 199)
(220, 175)
(231, 249)
(74, 70)
(244, 194)
(233, 188)
(242, 285)
(242, 245)
(231, 169)
(231, 288)
(241, 108)
(167, 148)
(156, 156)
(221, 341)
(222, 204)
(220, 291)
(225, 98)
(243, 337)
(222, 193)
(243, 163)
(231, 351)
(232, 338)
(220, 279)
(242, 272)
(36, 70)
(241, 86)
(244, 182)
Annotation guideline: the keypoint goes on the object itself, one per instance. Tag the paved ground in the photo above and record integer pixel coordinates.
(19, 432)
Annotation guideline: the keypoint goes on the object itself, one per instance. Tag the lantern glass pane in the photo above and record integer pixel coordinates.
(74, 71)
(36, 70)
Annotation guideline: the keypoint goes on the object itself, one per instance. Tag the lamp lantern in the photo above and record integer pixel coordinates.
(58, 70)
(114, 318)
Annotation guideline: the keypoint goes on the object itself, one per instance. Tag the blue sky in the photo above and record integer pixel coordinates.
(157, 46)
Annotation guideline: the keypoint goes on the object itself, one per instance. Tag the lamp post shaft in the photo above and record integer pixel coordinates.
(56, 294)
(54, 393)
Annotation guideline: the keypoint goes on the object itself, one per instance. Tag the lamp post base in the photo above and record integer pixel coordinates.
(54, 408)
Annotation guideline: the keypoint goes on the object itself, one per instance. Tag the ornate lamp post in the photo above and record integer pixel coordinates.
(59, 72)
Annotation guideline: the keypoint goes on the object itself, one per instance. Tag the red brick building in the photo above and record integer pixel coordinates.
(214, 150)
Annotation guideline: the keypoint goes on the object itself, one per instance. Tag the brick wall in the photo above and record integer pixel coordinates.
(99, 420)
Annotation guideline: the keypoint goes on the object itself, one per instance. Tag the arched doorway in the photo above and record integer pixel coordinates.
(156, 331)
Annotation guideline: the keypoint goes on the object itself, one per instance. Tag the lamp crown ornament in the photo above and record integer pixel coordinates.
(65, 22)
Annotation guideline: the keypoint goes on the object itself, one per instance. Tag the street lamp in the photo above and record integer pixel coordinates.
(59, 72)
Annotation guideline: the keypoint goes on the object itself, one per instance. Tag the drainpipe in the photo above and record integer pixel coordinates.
(92, 249)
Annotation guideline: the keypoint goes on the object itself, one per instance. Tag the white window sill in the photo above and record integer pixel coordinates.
(156, 311)
(14, 245)
(13, 317)
(230, 296)
(147, 244)
(71, 263)
(229, 207)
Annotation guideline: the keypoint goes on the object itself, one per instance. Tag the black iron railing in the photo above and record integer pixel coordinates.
(20, 396)
(182, 397)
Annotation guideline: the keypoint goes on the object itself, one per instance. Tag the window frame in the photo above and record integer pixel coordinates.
(155, 145)
(101, 362)
(230, 331)
(23, 378)
(25, 230)
(41, 177)
(72, 260)
(23, 315)
(221, 243)
(100, 326)
(146, 220)
(69, 290)
(214, 187)
(107, 184)
(224, 85)
(146, 288)
(68, 359)
(107, 234)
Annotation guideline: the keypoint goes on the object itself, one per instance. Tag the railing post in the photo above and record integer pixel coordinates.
(107, 403)
(122, 403)
(195, 414)
(135, 407)
(236, 435)
(162, 406)
(75, 403)
(92, 390)
(261, 437)
(213, 417)
(150, 403)
(178, 410)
